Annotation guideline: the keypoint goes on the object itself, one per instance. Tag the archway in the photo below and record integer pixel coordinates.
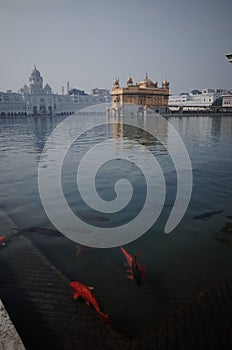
(50, 110)
(35, 110)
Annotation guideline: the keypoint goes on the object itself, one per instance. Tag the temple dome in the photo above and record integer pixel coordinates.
(35, 74)
(165, 83)
(129, 81)
(36, 82)
(116, 83)
(47, 89)
(147, 83)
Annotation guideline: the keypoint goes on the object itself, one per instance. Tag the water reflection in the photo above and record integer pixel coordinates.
(157, 126)
(23, 138)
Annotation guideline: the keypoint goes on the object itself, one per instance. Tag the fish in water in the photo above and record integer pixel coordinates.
(82, 249)
(207, 215)
(2, 241)
(93, 217)
(168, 205)
(136, 269)
(83, 291)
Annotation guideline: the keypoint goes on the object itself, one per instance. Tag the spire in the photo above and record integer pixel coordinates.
(116, 82)
(129, 81)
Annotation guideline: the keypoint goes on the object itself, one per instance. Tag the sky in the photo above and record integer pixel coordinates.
(90, 42)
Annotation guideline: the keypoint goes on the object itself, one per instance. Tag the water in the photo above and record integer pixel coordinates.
(179, 264)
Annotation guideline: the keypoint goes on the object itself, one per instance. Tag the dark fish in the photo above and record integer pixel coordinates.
(93, 217)
(229, 217)
(168, 205)
(42, 231)
(207, 215)
(137, 273)
(136, 269)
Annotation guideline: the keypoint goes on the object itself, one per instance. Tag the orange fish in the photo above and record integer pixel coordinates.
(80, 248)
(84, 292)
(136, 269)
(2, 241)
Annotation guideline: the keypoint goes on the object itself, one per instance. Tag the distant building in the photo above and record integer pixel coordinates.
(146, 94)
(37, 99)
(227, 101)
(229, 56)
(12, 103)
(195, 100)
(103, 94)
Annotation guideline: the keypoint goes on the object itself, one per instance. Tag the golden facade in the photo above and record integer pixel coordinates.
(146, 93)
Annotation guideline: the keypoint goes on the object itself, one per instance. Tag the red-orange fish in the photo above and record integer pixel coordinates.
(84, 292)
(136, 268)
(81, 248)
(2, 241)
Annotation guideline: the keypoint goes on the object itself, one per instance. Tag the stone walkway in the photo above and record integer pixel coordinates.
(9, 338)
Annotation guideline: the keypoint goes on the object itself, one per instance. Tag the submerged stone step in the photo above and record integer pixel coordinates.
(49, 318)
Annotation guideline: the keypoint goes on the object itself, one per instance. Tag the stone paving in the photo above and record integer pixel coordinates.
(9, 338)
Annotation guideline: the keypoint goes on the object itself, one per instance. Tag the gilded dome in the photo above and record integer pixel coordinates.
(129, 81)
(165, 83)
(147, 83)
(116, 83)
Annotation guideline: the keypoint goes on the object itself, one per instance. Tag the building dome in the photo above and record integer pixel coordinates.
(47, 89)
(35, 74)
(116, 83)
(147, 83)
(129, 81)
(36, 82)
(165, 84)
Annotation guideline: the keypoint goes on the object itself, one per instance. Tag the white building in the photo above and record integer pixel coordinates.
(41, 100)
(36, 99)
(103, 94)
(195, 100)
(227, 101)
(12, 103)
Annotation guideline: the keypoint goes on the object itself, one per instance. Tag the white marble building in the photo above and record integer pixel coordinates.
(37, 99)
(41, 100)
(103, 94)
(227, 101)
(12, 103)
(195, 100)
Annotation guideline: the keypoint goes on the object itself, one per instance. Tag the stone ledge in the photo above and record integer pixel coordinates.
(9, 338)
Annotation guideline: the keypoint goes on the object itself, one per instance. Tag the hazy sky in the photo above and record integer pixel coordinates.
(89, 42)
